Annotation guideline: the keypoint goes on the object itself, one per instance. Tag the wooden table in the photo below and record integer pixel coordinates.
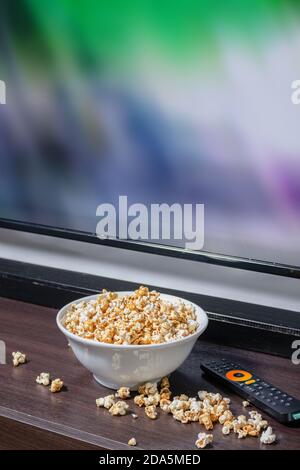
(33, 418)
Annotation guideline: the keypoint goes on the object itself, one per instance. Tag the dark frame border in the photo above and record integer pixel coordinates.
(266, 267)
(233, 323)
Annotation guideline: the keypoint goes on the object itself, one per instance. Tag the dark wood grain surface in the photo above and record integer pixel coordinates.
(30, 410)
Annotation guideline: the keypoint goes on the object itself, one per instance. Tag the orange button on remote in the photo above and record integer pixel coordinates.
(238, 375)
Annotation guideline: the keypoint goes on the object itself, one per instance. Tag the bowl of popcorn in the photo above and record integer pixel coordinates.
(129, 338)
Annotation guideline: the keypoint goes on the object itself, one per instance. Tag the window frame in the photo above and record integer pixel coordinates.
(248, 264)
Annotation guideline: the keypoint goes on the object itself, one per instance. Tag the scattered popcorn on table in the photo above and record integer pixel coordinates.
(268, 436)
(105, 402)
(203, 440)
(132, 442)
(119, 408)
(56, 385)
(43, 379)
(123, 392)
(18, 358)
(151, 411)
(245, 404)
(139, 318)
(134, 415)
(208, 409)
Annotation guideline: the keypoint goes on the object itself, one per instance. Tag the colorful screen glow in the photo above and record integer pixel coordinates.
(184, 101)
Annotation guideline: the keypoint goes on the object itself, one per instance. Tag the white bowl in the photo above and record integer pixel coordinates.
(131, 365)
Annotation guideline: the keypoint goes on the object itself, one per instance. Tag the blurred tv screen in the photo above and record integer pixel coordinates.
(186, 101)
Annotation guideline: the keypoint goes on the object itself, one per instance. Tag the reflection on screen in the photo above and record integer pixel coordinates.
(186, 103)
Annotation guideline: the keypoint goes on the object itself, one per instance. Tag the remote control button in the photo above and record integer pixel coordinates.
(238, 375)
(287, 404)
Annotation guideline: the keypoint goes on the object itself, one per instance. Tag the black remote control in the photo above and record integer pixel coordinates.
(283, 407)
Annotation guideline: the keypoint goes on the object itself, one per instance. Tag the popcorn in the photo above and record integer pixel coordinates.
(152, 399)
(228, 424)
(241, 433)
(215, 398)
(43, 379)
(148, 388)
(209, 409)
(205, 419)
(245, 403)
(151, 411)
(165, 393)
(132, 442)
(202, 394)
(195, 406)
(226, 416)
(257, 421)
(123, 392)
(181, 416)
(242, 420)
(165, 383)
(119, 408)
(165, 405)
(139, 318)
(268, 436)
(203, 440)
(105, 402)
(251, 430)
(139, 400)
(226, 430)
(219, 409)
(182, 397)
(177, 405)
(18, 358)
(56, 385)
